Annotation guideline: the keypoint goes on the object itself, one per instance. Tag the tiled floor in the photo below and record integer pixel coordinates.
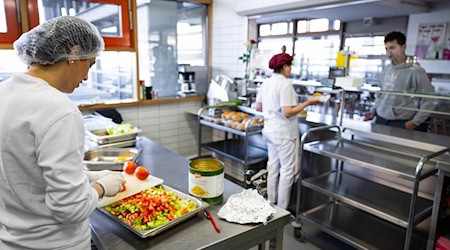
(314, 240)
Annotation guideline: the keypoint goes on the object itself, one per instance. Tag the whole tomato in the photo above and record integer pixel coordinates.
(129, 167)
(141, 173)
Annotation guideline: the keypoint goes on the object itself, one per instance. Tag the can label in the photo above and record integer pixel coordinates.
(206, 186)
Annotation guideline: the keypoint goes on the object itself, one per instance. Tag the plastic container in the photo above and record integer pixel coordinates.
(206, 177)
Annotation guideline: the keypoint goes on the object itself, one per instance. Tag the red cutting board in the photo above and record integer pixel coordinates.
(133, 186)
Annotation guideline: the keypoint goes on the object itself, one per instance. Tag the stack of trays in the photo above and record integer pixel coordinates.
(104, 140)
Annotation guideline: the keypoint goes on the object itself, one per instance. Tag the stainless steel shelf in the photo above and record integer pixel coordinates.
(339, 221)
(230, 130)
(235, 150)
(369, 157)
(381, 201)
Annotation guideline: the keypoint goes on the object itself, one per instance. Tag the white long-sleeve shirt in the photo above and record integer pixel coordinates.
(45, 198)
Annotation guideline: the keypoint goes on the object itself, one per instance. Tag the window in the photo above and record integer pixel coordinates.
(111, 17)
(282, 28)
(314, 56)
(171, 33)
(268, 47)
(111, 80)
(9, 25)
(318, 25)
(370, 59)
(3, 28)
(175, 34)
(12, 65)
(314, 53)
(191, 33)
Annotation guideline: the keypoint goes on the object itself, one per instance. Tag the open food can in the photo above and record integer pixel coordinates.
(206, 177)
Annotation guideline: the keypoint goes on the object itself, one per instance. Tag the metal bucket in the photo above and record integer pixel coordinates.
(206, 177)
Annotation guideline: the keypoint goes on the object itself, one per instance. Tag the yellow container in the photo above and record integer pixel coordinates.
(206, 177)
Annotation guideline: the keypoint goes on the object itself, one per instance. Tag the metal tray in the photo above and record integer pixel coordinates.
(152, 232)
(121, 144)
(106, 158)
(101, 136)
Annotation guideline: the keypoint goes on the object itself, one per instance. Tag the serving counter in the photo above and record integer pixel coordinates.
(195, 233)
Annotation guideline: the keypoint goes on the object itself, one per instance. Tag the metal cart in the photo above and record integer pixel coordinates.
(236, 144)
(372, 189)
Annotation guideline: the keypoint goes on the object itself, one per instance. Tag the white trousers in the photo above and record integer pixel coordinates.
(282, 168)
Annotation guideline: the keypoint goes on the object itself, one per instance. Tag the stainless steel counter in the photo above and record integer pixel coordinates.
(195, 233)
(411, 138)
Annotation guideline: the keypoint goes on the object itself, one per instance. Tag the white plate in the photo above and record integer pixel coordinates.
(133, 186)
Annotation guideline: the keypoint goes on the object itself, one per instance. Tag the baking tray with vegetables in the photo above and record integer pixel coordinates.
(153, 210)
(117, 133)
(109, 158)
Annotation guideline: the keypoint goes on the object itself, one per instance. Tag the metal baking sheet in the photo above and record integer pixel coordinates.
(152, 232)
(101, 136)
(109, 158)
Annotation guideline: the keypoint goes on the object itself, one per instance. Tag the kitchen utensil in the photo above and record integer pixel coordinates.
(209, 217)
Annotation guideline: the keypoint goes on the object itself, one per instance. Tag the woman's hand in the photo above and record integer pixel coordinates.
(312, 101)
(111, 184)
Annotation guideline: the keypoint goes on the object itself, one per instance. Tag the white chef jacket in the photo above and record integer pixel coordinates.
(277, 92)
(45, 198)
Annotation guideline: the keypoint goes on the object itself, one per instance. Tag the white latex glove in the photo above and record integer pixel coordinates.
(112, 184)
(97, 175)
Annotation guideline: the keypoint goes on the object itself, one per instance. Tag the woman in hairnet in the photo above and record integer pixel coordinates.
(278, 102)
(45, 197)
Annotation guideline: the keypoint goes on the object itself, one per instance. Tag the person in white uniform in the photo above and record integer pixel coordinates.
(278, 102)
(45, 197)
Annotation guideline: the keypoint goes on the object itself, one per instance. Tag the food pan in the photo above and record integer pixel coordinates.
(101, 136)
(121, 144)
(109, 158)
(152, 232)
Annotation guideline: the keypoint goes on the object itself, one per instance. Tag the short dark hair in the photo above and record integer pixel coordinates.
(395, 35)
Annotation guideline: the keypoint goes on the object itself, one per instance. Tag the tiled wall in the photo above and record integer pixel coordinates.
(173, 125)
(229, 33)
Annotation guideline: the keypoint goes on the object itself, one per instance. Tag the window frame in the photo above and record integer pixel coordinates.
(12, 23)
(111, 43)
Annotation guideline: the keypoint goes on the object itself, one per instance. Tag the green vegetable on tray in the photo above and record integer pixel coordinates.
(119, 129)
(150, 208)
(229, 103)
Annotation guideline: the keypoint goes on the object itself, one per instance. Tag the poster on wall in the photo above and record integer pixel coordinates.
(446, 49)
(432, 41)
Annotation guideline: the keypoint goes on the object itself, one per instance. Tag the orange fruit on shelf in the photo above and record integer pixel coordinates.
(141, 173)
(129, 167)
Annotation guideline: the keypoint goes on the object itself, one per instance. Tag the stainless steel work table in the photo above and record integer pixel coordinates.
(194, 233)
